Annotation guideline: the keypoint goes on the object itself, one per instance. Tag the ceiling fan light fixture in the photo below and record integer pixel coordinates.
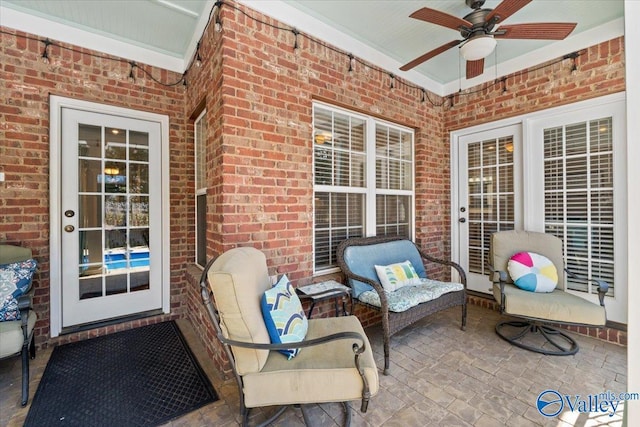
(478, 47)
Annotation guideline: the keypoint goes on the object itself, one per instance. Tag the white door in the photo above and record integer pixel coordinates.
(490, 196)
(110, 216)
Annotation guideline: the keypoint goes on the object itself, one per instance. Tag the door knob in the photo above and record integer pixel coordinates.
(69, 228)
(463, 220)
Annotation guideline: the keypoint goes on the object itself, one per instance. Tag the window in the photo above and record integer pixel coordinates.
(200, 136)
(579, 199)
(576, 189)
(363, 180)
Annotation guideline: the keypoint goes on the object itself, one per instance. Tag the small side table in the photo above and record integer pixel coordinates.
(325, 290)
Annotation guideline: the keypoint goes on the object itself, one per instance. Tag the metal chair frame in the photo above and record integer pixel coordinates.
(564, 344)
(208, 300)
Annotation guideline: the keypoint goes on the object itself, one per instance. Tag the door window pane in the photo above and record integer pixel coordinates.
(490, 190)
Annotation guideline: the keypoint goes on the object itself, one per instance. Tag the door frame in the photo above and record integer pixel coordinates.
(490, 134)
(56, 104)
(527, 121)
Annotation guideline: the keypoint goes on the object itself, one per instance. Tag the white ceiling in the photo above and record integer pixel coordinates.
(165, 32)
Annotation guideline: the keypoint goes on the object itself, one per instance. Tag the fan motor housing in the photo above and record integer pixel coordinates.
(475, 4)
(480, 25)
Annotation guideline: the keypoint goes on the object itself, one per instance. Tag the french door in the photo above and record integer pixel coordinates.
(489, 196)
(109, 217)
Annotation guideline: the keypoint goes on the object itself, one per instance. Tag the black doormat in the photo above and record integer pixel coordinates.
(139, 377)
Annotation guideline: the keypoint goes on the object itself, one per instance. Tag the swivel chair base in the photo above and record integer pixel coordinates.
(523, 338)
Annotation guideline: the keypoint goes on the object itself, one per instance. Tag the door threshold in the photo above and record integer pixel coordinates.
(117, 320)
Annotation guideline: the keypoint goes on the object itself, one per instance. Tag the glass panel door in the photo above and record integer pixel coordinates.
(108, 204)
(489, 197)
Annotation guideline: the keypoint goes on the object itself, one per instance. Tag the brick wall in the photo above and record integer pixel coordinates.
(25, 85)
(267, 95)
(600, 71)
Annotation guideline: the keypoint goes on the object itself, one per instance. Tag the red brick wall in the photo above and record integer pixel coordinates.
(267, 96)
(600, 71)
(25, 85)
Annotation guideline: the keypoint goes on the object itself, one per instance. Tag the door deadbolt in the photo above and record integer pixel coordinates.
(463, 209)
(69, 213)
(69, 228)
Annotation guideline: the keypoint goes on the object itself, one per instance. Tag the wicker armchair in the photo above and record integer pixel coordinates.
(357, 258)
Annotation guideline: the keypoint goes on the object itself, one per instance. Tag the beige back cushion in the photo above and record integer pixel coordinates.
(10, 253)
(504, 244)
(238, 278)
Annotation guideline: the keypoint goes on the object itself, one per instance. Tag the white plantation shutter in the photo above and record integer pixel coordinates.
(491, 196)
(343, 141)
(579, 197)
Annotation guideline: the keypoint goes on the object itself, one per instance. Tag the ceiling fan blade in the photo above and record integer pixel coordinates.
(475, 68)
(538, 31)
(419, 60)
(440, 18)
(506, 9)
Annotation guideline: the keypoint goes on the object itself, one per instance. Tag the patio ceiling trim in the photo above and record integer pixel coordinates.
(45, 28)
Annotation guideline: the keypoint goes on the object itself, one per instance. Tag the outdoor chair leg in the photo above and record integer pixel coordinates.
(464, 317)
(386, 355)
(25, 374)
(32, 347)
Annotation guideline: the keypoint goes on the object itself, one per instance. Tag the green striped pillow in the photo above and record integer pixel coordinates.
(396, 276)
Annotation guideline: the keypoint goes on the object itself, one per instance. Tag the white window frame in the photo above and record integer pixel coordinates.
(199, 191)
(369, 190)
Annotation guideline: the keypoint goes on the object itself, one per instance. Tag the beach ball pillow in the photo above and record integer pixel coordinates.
(533, 272)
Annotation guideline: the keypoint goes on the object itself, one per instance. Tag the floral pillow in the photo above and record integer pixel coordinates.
(15, 280)
(396, 276)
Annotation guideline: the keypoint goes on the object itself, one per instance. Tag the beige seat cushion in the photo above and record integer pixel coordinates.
(556, 306)
(11, 335)
(307, 377)
(238, 278)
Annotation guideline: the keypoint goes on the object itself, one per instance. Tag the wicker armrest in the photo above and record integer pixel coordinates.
(458, 267)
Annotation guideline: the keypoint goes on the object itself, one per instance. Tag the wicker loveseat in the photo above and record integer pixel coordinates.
(357, 257)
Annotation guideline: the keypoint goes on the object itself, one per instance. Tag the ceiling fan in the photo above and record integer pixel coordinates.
(478, 34)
